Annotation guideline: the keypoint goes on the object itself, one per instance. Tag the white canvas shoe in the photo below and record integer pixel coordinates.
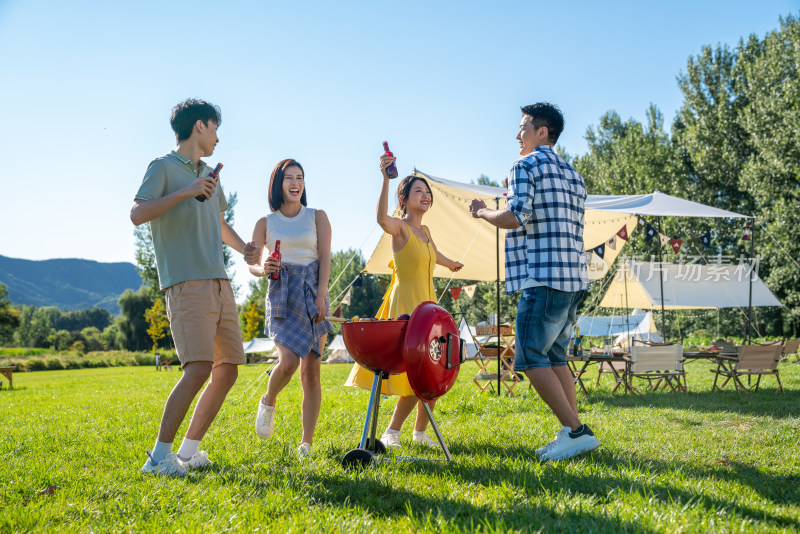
(560, 434)
(304, 450)
(169, 466)
(391, 440)
(265, 420)
(199, 460)
(575, 443)
(423, 439)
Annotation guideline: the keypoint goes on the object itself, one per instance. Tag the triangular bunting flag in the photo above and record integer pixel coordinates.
(623, 233)
(470, 290)
(650, 233)
(346, 299)
(612, 243)
(338, 312)
(455, 292)
(357, 282)
(600, 250)
(664, 239)
(676, 244)
(705, 239)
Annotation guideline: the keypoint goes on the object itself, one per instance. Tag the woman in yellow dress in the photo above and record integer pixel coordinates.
(414, 258)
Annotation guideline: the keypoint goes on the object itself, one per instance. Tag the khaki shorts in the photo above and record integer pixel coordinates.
(204, 322)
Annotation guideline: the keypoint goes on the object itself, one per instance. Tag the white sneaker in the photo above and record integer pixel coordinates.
(560, 434)
(423, 439)
(573, 444)
(391, 440)
(169, 466)
(199, 460)
(265, 420)
(304, 450)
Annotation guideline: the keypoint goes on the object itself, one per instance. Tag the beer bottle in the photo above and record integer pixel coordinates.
(391, 170)
(277, 255)
(213, 174)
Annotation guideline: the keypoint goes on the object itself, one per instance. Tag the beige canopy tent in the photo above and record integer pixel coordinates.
(475, 243)
(686, 286)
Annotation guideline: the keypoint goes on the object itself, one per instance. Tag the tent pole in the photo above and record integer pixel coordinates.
(497, 293)
(627, 310)
(752, 272)
(661, 279)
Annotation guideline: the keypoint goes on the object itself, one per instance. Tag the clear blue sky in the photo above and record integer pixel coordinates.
(88, 87)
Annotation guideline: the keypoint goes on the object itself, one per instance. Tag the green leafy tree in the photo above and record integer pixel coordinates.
(146, 260)
(769, 75)
(34, 328)
(93, 339)
(252, 321)
(9, 316)
(158, 324)
(485, 180)
(227, 253)
(132, 326)
(60, 339)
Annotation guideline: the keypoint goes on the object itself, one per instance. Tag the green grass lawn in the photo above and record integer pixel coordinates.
(669, 462)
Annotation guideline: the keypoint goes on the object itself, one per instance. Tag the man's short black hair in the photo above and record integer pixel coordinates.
(186, 114)
(546, 114)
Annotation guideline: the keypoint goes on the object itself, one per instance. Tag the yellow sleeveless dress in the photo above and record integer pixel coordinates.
(412, 284)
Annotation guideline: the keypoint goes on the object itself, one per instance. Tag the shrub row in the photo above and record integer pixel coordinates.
(50, 361)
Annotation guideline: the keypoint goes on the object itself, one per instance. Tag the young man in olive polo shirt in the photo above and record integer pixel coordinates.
(187, 236)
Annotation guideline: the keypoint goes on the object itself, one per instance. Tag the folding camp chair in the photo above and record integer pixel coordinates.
(660, 362)
(791, 347)
(752, 360)
(615, 369)
(486, 341)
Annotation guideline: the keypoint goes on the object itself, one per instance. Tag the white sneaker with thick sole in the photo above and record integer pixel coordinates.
(575, 443)
(265, 420)
(391, 440)
(169, 466)
(199, 460)
(423, 439)
(559, 435)
(304, 450)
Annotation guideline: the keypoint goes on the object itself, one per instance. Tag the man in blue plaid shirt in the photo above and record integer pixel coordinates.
(545, 261)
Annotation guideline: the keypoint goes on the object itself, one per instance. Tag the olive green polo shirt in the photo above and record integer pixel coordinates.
(187, 238)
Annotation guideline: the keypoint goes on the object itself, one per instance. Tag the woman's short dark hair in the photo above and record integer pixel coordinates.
(404, 189)
(546, 114)
(275, 193)
(186, 114)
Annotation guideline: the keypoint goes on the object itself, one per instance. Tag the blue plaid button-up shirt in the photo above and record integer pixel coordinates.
(546, 195)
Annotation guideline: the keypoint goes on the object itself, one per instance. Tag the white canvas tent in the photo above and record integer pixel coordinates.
(607, 326)
(475, 243)
(686, 286)
(259, 344)
(339, 352)
(466, 332)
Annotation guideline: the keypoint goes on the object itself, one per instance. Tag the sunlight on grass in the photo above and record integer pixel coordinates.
(669, 462)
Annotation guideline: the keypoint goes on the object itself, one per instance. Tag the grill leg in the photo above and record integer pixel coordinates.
(372, 409)
(375, 410)
(436, 430)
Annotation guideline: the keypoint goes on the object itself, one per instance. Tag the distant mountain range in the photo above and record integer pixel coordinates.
(69, 284)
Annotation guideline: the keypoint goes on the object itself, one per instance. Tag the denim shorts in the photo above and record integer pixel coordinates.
(545, 317)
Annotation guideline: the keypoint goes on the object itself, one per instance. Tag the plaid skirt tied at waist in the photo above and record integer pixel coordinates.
(289, 309)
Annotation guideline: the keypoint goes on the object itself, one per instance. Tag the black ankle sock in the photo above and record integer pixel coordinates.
(580, 431)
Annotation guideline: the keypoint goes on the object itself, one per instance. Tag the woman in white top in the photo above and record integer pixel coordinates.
(297, 302)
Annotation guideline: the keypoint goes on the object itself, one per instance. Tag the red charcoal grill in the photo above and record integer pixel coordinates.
(426, 346)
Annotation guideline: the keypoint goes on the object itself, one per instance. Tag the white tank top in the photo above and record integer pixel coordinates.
(298, 236)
